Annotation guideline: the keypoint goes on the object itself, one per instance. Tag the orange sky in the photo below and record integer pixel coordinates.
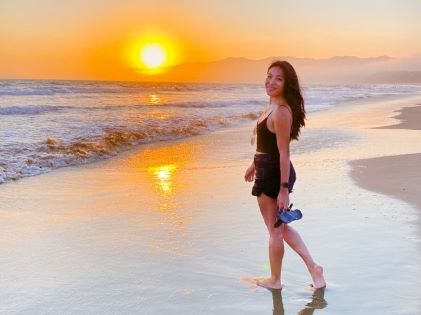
(92, 39)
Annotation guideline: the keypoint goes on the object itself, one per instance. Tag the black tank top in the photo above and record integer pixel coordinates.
(266, 139)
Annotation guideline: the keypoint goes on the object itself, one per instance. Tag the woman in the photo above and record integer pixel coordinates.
(272, 171)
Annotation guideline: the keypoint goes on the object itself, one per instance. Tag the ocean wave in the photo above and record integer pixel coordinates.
(52, 153)
(39, 88)
(53, 91)
(42, 109)
(211, 104)
(27, 88)
(30, 110)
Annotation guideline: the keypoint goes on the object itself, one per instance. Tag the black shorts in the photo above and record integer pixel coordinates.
(268, 178)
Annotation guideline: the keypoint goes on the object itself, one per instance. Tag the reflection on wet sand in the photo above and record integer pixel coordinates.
(163, 175)
(317, 302)
(278, 304)
(165, 170)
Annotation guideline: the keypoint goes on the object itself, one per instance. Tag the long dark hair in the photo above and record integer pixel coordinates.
(292, 94)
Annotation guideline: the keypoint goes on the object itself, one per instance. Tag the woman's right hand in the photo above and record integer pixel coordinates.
(250, 172)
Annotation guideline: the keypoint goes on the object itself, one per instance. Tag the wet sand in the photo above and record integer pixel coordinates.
(173, 228)
(409, 117)
(397, 175)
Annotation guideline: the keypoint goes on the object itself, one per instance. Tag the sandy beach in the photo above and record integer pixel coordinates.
(172, 227)
(396, 175)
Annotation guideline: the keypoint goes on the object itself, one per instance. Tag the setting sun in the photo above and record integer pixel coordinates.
(153, 55)
(152, 51)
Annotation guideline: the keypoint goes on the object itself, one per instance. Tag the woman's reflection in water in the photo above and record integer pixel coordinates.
(318, 302)
(278, 305)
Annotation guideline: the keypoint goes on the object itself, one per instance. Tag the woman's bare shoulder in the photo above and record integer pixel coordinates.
(282, 120)
(283, 112)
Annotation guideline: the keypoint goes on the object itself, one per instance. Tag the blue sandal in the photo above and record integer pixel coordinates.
(287, 216)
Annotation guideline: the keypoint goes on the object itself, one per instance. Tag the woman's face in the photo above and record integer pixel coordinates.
(275, 82)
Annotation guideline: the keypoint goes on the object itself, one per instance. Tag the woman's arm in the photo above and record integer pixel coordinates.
(282, 125)
(250, 172)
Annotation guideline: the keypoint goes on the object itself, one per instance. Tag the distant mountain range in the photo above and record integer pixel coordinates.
(337, 69)
(395, 77)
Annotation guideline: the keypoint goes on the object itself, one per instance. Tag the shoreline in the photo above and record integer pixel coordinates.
(394, 175)
(345, 106)
(409, 117)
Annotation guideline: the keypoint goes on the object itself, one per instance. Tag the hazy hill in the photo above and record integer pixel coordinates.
(337, 69)
(395, 77)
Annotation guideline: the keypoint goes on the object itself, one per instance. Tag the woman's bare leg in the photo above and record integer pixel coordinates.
(268, 208)
(294, 240)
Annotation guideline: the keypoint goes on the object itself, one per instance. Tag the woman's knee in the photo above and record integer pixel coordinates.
(277, 233)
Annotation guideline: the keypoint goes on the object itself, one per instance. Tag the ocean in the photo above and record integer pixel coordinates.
(48, 124)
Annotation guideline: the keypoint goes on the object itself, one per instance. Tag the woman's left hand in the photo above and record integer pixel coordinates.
(283, 198)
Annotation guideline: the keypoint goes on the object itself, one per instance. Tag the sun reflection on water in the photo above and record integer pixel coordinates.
(174, 219)
(154, 99)
(167, 184)
(163, 175)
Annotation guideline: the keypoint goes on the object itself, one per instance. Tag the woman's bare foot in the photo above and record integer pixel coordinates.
(269, 283)
(318, 279)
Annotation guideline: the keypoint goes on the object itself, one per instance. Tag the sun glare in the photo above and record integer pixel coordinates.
(152, 55)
